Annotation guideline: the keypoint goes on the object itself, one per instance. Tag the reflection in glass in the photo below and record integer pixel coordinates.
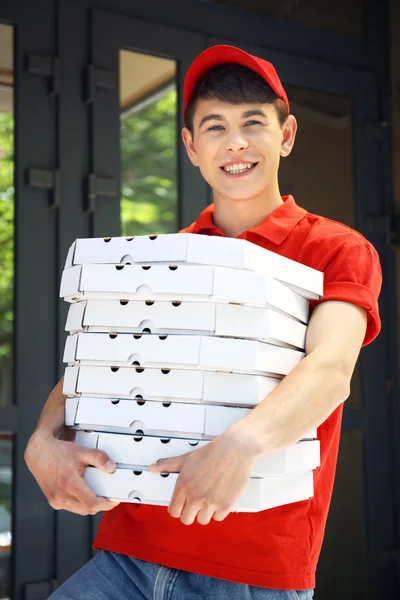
(5, 513)
(148, 102)
(6, 293)
(6, 214)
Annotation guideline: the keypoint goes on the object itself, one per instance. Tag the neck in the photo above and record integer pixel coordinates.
(235, 217)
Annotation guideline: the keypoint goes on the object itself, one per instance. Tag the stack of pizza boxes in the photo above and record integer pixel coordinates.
(172, 339)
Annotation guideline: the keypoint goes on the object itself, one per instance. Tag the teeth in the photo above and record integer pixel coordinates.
(238, 168)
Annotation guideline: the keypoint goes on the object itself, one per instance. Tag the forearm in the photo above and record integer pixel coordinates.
(301, 402)
(52, 419)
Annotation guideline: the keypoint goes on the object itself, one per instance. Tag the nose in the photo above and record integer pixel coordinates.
(236, 141)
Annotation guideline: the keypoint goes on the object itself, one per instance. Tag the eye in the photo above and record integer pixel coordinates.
(253, 123)
(215, 128)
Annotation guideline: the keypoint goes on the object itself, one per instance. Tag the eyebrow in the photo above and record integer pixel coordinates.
(249, 113)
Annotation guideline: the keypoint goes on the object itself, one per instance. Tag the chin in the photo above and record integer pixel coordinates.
(235, 192)
(236, 198)
(242, 195)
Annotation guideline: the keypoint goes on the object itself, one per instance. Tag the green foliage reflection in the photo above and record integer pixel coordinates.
(6, 242)
(148, 168)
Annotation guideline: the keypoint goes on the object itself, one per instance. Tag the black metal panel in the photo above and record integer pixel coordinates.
(238, 26)
(110, 33)
(73, 539)
(378, 15)
(376, 367)
(35, 286)
(353, 419)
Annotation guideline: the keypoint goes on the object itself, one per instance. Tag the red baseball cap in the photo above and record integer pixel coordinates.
(222, 54)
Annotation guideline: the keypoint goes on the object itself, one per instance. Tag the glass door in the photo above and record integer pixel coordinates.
(136, 127)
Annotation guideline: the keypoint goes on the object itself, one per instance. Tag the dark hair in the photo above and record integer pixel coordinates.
(235, 84)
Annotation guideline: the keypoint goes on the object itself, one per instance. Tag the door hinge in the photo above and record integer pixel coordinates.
(101, 79)
(48, 180)
(386, 225)
(46, 66)
(98, 186)
(378, 131)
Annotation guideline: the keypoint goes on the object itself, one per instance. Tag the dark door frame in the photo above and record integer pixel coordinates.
(35, 283)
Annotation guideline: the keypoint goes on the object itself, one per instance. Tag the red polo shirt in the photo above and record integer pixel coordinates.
(275, 548)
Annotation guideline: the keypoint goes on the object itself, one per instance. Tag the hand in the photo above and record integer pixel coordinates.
(211, 478)
(58, 467)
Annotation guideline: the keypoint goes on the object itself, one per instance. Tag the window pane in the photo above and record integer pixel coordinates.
(148, 101)
(5, 513)
(6, 214)
(341, 16)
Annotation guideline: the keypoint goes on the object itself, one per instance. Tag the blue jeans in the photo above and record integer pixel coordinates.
(110, 576)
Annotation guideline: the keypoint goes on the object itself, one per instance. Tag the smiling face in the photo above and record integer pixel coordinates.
(238, 147)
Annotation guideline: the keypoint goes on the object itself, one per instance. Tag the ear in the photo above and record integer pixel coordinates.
(189, 145)
(289, 130)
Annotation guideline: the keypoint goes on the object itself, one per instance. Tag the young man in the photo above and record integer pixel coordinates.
(238, 126)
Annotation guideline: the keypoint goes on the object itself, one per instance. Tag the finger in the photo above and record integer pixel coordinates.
(79, 489)
(97, 458)
(190, 511)
(168, 465)
(104, 504)
(76, 508)
(101, 505)
(83, 505)
(177, 502)
(70, 503)
(205, 515)
(220, 515)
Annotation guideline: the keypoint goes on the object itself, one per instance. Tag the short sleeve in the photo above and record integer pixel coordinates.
(353, 274)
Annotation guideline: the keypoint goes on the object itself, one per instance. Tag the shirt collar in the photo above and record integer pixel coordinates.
(276, 227)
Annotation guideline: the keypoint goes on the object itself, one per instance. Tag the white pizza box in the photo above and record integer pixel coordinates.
(143, 486)
(176, 284)
(210, 387)
(197, 250)
(150, 418)
(141, 451)
(189, 318)
(180, 352)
